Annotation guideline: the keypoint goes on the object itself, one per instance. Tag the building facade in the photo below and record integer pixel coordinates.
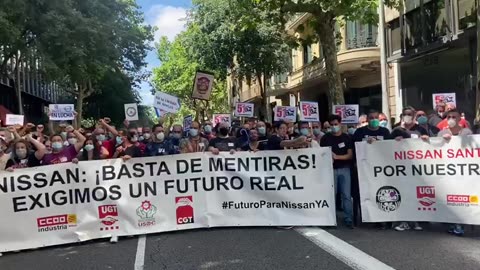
(432, 46)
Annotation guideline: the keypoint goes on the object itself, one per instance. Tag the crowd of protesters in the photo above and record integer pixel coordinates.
(31, 146)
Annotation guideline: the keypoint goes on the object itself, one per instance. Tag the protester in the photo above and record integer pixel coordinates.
(23, 156)
(363, 121)
(194, 143)
(422, 121)
(279, 140)
(127, 148)
(383, 120)
(208, 131)
(351, 130)
(326, 127)
(317, 131)
(444, 123)
(4, 155)
(262, 130)
(100, 134)
(435, 118)
(60, 152)
(146, 135)
(408, 127)
(373, 131)
(93, 150)
(159, 145)
(342, 153)
(253, 144)
(223, 142)
(454, 129)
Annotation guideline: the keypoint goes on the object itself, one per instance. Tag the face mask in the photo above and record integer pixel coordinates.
(316, 131)
(134, 139)
(297, 131)
(207, 129)
(119, 140)
(383, 123)
(146, 136)
(88, 147)
(351, 131)
(141, 138)
(451, 123)
(57, 145)
(374, 123)
(100, 138)
(110, 135)
(21, 153)
(441, 114)
(177, 135)
(160, 136)
(304, 131)
(72, 141)
(335, 129)
(328, 130)
(193, 132)
(64, 135)
(262, 131)
(224, 131)
(407, 119)
(422, 120)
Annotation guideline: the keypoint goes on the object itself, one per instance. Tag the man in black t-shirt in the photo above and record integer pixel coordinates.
(373, 131)
(408, 128)
(342, 152)
(223, 142)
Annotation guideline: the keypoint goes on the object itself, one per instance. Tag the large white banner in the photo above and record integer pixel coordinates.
(413, 180)
(68, 203)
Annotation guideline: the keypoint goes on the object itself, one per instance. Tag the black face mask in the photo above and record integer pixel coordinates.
(224, 131)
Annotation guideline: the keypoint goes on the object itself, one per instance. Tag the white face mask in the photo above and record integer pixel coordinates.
(72, 141)
(407, 119)
(451, 123)
(160, 136)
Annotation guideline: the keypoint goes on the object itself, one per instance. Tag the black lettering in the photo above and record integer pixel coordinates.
(138, 170)
(73, 175)
(40, 180)
(440, 169)
(134, 194)
(222, 181)
(196, 163)
(294, 181)
(181, 163)
(179, 186)
(24, 183)
(304, 162)
(124, 172)
(255, 182)
(108, 173)
(473, 168)
(451, 169)
(82, 197)
(115, 193)
(59, 200)
(100, 197)
(17, 202)
(289, 163)
(168, 185)
(239, 184)
(284, 183)
(212, 184)
(195, 183)
(35, 201)
(163, 168)
(269, 183)
(215, 165)
(256, 160)
(150, 189)
(243, 164)
(230, 164)
(274, 162)
(150, 164)
(57, 177)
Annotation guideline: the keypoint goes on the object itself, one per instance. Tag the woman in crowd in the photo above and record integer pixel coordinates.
(93, 150)
(23, 156)
(126, 148)
(253, 144)
(60, 152)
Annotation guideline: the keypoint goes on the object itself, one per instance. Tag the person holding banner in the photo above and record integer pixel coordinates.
(408, 127)
(373, 131)
(126, 148)
(223, 142)
(194, 143)
(93, 150)
(60, 152)
(279, 140)
(437, 117)
(208, 131)
(4, 156)
(422, 120)
(262, 131)
(159, 146)
(317, 131)
(454, 129)
(444, 123)
(23, 156)
(342, 153)
(253, 144)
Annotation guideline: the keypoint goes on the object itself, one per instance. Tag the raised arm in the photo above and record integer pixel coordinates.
(41, 149)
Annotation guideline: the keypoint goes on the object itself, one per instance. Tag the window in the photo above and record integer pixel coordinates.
(307, 54)
(360, 35)
(394, 41)
(466, 13)
(436, 25)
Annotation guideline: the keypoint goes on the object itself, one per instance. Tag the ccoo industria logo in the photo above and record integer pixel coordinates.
(56, 223)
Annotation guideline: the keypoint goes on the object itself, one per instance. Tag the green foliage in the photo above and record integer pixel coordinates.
(176, 74)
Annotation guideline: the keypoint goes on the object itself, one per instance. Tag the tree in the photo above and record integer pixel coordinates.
(175, 77)
(239, 37)
(325, 14)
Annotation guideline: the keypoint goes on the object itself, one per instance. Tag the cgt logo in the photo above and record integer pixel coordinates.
(426, 197)
(462, 200)
(184, 210)
(108, 215)
(55, 223)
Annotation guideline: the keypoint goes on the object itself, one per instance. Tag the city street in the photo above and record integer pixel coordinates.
(264, 248)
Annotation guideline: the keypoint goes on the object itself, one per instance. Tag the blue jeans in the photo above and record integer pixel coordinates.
(343, 184)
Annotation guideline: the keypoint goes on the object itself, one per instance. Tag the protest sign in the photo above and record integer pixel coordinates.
(447, 98)
(67, 203)
(131, 112)
(61, 112)
(202, 85)
(309, 111)
(166, 103)
(219, 118)
(285, 113)
(244, 109)
(14, 119)
(187, 122)
(349, 113)
(413, 180)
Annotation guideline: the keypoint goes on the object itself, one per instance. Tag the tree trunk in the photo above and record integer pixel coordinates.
(264, 109)
(80, 97)
(326, 31)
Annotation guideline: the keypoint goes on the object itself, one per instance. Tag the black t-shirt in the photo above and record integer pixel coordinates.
(274, 143)
(133, 151)
(261, 146)
(340, 146)
(363, 133)
(415, 132)
(29, 162)
(223, 144)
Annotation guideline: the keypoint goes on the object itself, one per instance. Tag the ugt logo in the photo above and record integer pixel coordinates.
(426, 197)
(184, 210)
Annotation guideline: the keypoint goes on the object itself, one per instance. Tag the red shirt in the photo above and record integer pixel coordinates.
(444, 124)
(110, 146)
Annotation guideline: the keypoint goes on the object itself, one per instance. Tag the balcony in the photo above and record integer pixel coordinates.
(250, 92)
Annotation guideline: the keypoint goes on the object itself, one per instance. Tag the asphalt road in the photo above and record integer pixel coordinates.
(264, 248)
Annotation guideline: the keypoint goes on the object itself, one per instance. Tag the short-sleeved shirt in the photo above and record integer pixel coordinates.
(340, 146)
(274, 143)
(201, 145)
(159, 149)
(224, 144)
(415, 131)
(110, 146)
(444, 124)
(363, 133)
(29, 162)
(133, 151)
(246, 147)
(66, 155)
(463, 132)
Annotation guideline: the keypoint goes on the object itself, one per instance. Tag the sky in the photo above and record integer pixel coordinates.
(168, 16)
